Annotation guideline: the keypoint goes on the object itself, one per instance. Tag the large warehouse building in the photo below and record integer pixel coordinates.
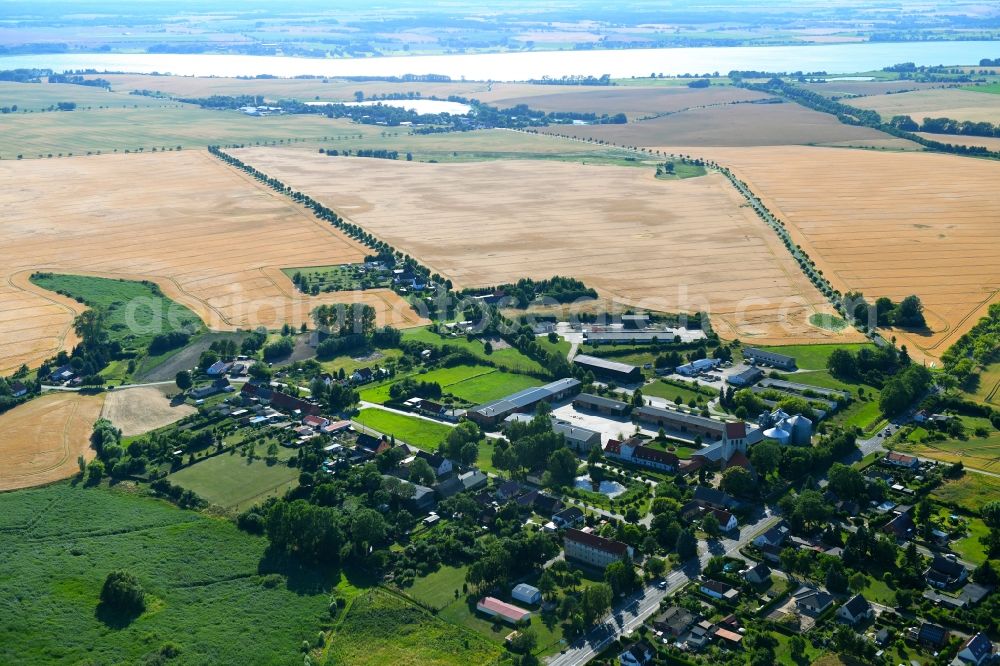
(602, 368)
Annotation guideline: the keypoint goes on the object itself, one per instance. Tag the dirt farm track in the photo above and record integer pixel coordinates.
(43, 438)
(689, 245)
(888, 224)
(211, 237)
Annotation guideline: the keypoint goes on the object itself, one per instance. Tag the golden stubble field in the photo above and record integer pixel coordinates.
(939, 103)
(888, 224)
(664, 245)
(43, 438)
(136, 411)
(735, 125)
(210, 236)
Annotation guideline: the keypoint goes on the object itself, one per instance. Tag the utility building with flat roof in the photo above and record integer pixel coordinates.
(764, 357)
(603, 368)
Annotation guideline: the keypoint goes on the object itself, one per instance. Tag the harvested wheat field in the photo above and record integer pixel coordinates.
(636, 102)
(940, 103)
(736, 125)
(686, 245)
(211, 237)
(43, 438)
(987, 142)
(139, 410)
(889, 224)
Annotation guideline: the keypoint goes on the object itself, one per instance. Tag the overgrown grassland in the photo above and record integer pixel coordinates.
(506, 359)
(229, 480)
(382, 628)
(136, 311)
(969, 492)
(203, 577)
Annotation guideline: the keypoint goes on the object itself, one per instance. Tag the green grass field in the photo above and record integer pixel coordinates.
(203, 578)
(682, 171)
(419, 432)
(35, 97)
(230, 481)
(814, 357)
(136, 311)
(828, 321)
(969, 492)
(661, 389)
(506, 359)
(988, 390)
(993, 88)
(446, 377)
(161, 126)
(974, 451)
(491, 386)
(380, 627)
(437, 590)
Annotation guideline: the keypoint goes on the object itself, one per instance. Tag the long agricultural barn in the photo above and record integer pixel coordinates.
(492, 413)
(764, 357)
(596, 403)
(627, 337)
(605, 369)
(686, 423)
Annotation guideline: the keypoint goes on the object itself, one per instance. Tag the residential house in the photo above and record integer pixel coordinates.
(448, 487)
(593, 549)
(775, 536)
(717, 590)
(812, 601)
(639, 654)
(727, 521)
(758, 574)
(527, 594)
(715, 498)
(771, 553)
(18, 390)
(975, 651)
(699, 635)
(901, 460)
(547, 505)
(508, 490)
(335, 427)
(441, 465)
(472, 479)
(500, 609)
(362, 376)
(569, 517)
(901, 527)
(674, 621)
(932, 635)
(218, 368)
(857, 609)
(945, 571)
(315, 422)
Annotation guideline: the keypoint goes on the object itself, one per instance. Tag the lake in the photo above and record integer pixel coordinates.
(831, 58)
